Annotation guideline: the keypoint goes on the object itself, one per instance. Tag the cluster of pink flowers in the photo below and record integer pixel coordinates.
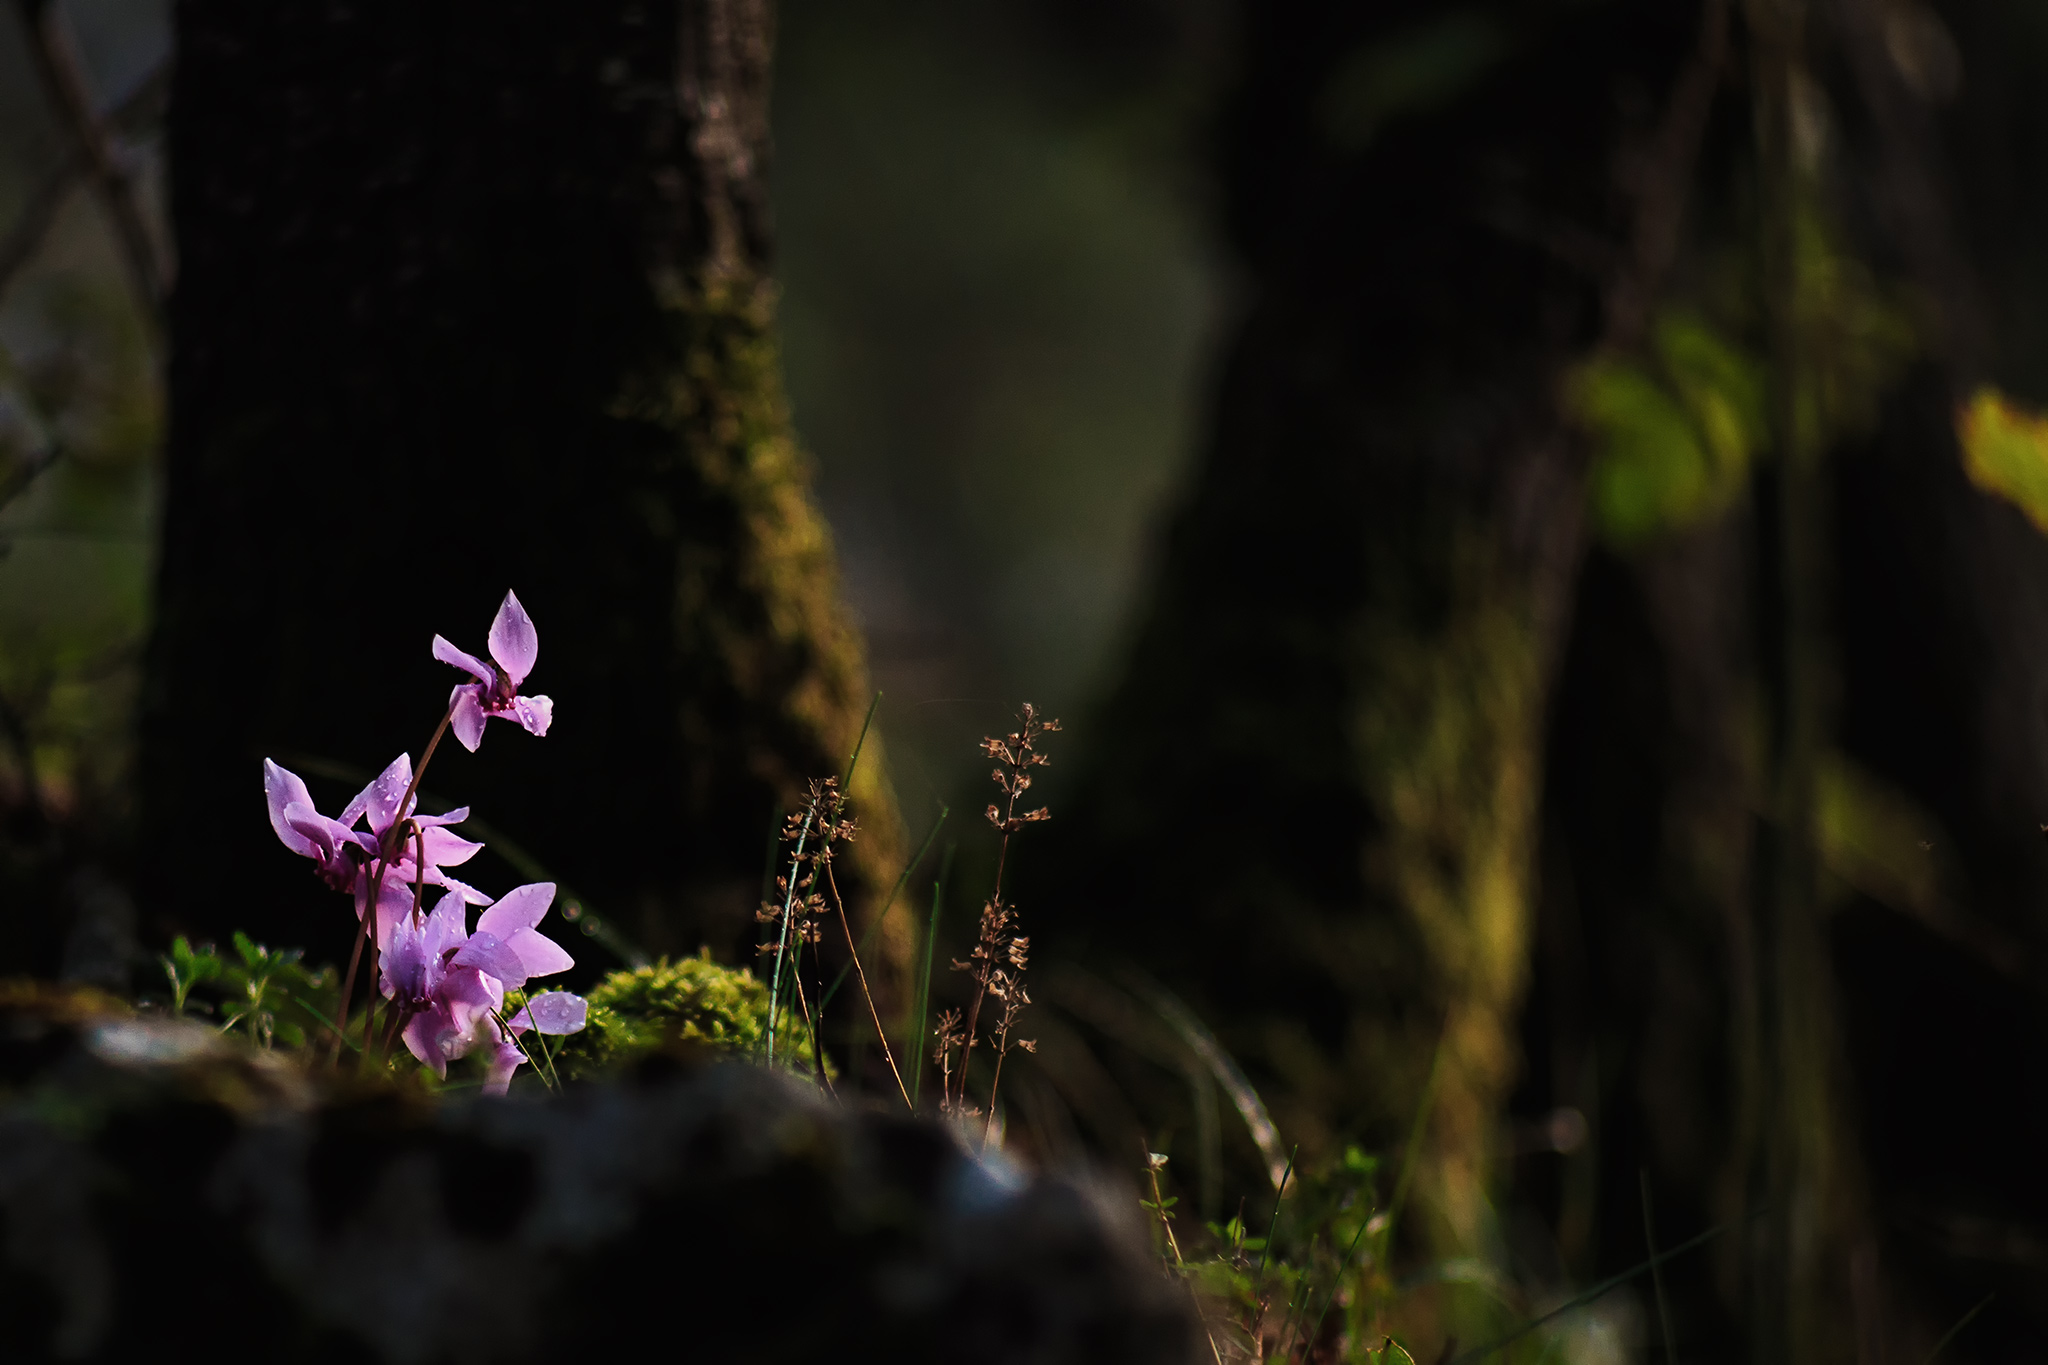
(446, 981)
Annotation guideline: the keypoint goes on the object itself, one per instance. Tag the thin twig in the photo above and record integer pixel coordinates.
(867, 939)
(39, 214)
(64, 80)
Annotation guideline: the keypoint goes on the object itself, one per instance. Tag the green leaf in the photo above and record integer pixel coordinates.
(2005, 451)
(1674, 433)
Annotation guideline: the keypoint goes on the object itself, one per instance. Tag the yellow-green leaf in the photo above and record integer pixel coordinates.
(2005, 451)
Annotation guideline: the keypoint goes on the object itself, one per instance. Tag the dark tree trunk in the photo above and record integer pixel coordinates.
(1312, 802)
(475, 298)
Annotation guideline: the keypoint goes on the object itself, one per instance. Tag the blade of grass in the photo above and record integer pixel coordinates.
(1961, 1323)
(846, 782)
(924, 975)
(1337, 1281)
(1221, 1065)
(1413, 1150)
(308, 1006)
(1274, 1225)
(1596, 1292)
(1657, 1273)
(1299, 1301)
(868, 938)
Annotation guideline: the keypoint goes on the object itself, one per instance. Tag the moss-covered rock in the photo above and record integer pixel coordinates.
(165, 1187)
(690, 1005)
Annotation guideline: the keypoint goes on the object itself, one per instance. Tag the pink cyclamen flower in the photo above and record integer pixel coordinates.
(447, 1007)
(506, 943)
(453, 1005)
(514, 646)
(348, 858)
(552, 1012)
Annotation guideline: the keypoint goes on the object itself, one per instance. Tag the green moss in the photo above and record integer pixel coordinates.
(693, 1003)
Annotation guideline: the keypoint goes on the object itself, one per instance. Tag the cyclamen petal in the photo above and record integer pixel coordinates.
(427, 1035)
(443, 930)
(449, 654)
(534, 713)
(380, 799)
(394, 904)
(324, 836)
(410, 971)
(539, 954)
(472, 994)
(505, 1059)
(466, 715)
(464, 889)
(553, 1012)
(514, 642)
(448, 850)
(493, 957)
(520, 908)
(283, 789)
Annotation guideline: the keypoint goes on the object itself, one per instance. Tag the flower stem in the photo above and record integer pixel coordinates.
(385, 851)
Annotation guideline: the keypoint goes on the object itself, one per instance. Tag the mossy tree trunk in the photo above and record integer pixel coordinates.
(475, 298)
(1313, 799)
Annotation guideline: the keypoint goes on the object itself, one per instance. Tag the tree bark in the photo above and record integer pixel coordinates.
(1325, 753)
(476, 298)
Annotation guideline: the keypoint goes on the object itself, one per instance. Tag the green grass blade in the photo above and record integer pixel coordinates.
(846, 782)
(924, 976)
(1597, 1291)
(1961, 1323)
(1657, 1275)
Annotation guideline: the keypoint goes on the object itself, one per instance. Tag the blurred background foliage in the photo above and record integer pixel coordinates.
(1000, 301)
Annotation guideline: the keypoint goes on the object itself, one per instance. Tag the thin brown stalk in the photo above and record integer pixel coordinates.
(860, 975)
(817, 1048)
(386, 849)
(398, 1021)
(355, 959)
(988, 1122)
(1017, 756)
